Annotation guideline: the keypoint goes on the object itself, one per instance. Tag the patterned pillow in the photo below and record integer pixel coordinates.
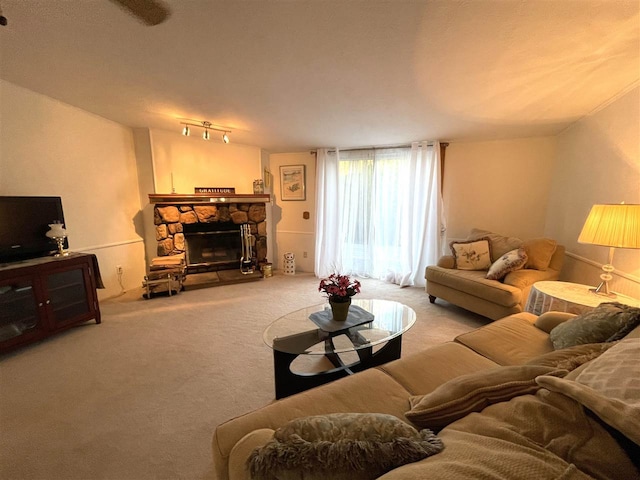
(605, 323)
(341, 446)
(509, 262)
(472, 255)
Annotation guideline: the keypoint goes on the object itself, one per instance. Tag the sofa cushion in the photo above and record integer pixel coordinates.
(426, 370)
(472, 255)
(512, 340)
(474, 283)
(609, 387)
(605, 323)
(509, 262)
(539, 252)
(499, 243)
(349, 446)
(474, 392)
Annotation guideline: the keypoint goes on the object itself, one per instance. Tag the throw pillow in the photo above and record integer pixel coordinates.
(539, 253)
(551, 319)
(471, 255)
(605, 323)
(349, 446)
(499, 243)
(509, 262)
(473, 392)
(608, 386)
(572, 357)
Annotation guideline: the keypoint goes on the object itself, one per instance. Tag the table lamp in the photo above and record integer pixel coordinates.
(58, 233)
(613, 226)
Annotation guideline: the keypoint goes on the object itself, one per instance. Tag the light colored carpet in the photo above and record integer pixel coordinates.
(139, 396)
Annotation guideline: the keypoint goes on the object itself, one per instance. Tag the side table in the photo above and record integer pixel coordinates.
(569, 297)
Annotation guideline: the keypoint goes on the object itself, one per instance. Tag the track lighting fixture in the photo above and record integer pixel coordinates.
(206, 126)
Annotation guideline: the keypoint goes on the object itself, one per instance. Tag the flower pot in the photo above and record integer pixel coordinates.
(340, 310)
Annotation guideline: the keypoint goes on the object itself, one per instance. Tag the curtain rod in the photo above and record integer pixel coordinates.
(429, 144)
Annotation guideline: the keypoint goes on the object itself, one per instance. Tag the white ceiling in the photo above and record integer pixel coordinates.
(288, 75)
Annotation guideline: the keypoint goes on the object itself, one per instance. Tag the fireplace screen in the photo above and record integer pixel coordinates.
(213, 250)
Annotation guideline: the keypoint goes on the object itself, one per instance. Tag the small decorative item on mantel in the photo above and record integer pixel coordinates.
(339, 289)
(58, 233)
(214, 190)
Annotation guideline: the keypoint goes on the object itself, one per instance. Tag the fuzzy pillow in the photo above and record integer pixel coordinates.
(472, 255)
(341, 446)
(474, 392)
(605, 323)
(509, 262)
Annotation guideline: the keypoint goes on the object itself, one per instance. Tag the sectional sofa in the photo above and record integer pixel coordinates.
(504, 402)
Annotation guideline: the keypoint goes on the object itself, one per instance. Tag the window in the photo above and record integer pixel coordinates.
(378, 212)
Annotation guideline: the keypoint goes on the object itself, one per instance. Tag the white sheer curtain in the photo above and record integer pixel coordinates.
(423, 222)
(379, 212)
(327, 259)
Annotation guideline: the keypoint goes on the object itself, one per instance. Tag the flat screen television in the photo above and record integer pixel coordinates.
(24, 221)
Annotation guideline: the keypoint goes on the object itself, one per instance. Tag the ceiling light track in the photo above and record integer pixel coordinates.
(207, 126)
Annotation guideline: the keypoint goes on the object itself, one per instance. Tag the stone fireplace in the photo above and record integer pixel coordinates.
(208, 229)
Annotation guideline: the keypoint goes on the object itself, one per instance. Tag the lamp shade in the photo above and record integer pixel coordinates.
(612, 226)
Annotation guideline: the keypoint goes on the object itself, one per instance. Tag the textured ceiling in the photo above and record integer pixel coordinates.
(298, 74)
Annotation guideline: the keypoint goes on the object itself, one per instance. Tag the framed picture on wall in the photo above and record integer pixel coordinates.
(292, 178)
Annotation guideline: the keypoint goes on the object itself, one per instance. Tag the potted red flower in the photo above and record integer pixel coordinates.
(339, 289)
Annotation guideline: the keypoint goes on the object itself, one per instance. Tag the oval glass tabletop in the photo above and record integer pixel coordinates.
(296, 333)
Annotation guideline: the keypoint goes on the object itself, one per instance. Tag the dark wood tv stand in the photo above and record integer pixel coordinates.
(43, 296)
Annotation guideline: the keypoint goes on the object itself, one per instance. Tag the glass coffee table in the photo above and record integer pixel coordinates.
(296, 334)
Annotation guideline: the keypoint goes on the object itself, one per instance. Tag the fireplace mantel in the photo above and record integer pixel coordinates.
(206, 198)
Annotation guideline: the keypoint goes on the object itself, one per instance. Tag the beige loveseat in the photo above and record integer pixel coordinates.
(536, 435)
(471, 290)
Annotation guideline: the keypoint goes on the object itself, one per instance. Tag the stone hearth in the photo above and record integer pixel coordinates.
(219, 278)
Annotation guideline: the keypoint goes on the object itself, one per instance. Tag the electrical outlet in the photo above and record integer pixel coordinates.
(119, 269)
(304, 254)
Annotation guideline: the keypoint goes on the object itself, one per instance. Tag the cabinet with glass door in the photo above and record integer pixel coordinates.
(43, 296)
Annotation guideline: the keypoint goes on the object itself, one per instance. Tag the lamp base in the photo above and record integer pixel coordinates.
(61, 251)
(606, 277)
(603, 291)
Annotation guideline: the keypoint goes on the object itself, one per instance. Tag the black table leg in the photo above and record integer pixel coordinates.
(287, 382)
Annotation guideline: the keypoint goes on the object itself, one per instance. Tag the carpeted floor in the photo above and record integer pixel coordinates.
(139, 396)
